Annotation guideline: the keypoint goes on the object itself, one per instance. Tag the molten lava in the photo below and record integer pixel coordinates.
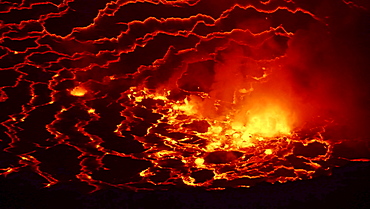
(205, 136)
(78, 91)
(160, 94)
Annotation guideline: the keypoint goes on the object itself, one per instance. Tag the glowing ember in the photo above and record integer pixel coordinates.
(268, 151)
(78, 91)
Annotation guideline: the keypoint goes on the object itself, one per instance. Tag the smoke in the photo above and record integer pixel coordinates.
(320, 73)
(328, 69)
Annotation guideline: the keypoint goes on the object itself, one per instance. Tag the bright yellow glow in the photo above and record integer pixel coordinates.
(271, 121)
(187, 107)
(214, 145)
(164, 153)
(244, 125)
(139, 98)
(159, 97)
(215, 129)
(268, 151)
(199, 161)
(248, 128)
(78, 91)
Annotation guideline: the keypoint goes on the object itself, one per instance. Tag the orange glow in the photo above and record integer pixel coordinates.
(199, 161)
(183, 95)
(242, 127)
(268, 122)
(268, 152)
(187, 107)
(78, 91)
(254, 125)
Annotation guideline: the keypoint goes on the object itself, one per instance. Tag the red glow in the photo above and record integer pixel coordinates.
(154, 94)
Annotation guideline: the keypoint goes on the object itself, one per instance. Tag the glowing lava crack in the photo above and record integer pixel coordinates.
(160, 94)
(215, 148)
